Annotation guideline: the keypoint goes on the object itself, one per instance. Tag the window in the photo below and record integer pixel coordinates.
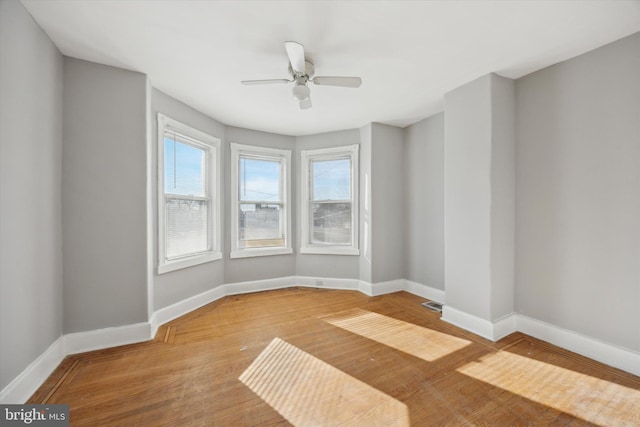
(329, 202)
(260, 193)
(188, 208)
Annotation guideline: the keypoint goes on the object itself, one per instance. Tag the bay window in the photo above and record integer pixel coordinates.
(188, 207)
(260, 194)
(329, 205)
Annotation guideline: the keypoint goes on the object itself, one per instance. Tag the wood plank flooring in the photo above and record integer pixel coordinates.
(322, 357)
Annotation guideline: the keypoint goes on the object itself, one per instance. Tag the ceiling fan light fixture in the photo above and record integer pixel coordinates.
(301, 92)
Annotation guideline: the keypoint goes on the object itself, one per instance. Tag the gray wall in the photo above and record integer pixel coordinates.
(467, 206)
(30, 210)
(263, 267)
(578, 194)
(424, 202)
(181, 284)
(387, 198)
(503, 100)
(104, 196)
(337, 266)
(365, 259)
(479, 197)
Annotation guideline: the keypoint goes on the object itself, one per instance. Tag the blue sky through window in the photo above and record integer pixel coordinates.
(259, 179)
(331, 179)
(184, 169)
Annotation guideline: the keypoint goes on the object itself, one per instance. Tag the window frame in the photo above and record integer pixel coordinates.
(307, 156)
(211, 145)
(270, 154)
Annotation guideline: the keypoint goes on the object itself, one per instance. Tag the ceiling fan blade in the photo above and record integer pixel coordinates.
(265, 82)
(337, 81)
(295, 51)
(305, 104)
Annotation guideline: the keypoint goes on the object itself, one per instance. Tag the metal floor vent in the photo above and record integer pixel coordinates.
(432, 305)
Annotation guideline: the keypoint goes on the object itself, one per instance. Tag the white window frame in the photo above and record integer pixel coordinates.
(211, 145)
(307, 247)
(272, 154)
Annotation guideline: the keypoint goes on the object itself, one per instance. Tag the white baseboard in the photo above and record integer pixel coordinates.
(327, 283)
(425, 291)
(28, 381)
(365, 287)
(389, 287)
(79, 342)
(183, 307)
(180, 308)
(490, 330)
(505, 326)
(467, 321)
(609, 354)
(25, 384)
(258, 285)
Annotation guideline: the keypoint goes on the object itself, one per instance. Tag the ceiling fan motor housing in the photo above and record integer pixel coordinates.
(309, 70)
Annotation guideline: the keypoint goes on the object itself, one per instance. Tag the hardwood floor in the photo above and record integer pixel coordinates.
(322, 357)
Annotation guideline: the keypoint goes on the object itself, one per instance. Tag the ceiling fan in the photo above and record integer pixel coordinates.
(302, 71)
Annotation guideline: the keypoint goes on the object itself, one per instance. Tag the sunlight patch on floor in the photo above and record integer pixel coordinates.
(418, 341)
(307, 391)
(592, 399)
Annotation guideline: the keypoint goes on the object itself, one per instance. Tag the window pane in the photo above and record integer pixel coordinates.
(331, 223)
(331, 179)
(259, 179)
(184, 168)
(186, 227)
(260, 225)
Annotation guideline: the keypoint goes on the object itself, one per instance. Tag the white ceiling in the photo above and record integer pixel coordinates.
(408, 53)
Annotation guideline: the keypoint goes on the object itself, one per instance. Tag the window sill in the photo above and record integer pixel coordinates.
(329, 250)
(249, 253)
(188, 262)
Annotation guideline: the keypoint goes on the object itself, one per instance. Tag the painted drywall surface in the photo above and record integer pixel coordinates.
(387, 197)
(150, 202)
(338, 266)
(178, 285)
(104, 196)
(578, 194)
(503, 99)
(424, 202)
(467, 201)
(30, 201)
(264, 267)
(365, 263)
